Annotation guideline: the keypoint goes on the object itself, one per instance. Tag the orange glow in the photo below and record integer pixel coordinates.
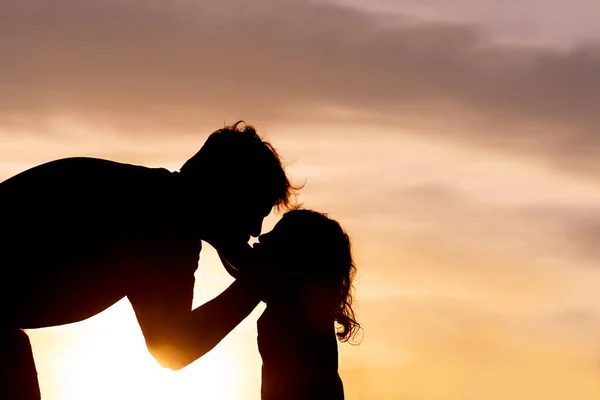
(463, 289)
(105, 358)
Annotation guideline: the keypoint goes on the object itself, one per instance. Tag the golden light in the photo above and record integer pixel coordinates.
(105, 357)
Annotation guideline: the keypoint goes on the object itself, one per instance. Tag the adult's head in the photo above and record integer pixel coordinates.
(238, 178)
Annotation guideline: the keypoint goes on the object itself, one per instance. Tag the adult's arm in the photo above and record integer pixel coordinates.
(161, 293)
(246, 264)
(237, 258)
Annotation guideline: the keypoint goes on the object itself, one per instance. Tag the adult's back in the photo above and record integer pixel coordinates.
(65, 224)
(80, 196)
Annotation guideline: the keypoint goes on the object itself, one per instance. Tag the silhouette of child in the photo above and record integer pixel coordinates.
(310, 266)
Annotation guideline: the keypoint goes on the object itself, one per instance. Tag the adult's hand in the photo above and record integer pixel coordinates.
(228, 267)
(245, 264)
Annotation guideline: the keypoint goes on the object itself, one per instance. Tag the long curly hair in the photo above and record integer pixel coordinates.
(326, 256)
(344, 314)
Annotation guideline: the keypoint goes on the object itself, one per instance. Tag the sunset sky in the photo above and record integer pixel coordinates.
(456, 141)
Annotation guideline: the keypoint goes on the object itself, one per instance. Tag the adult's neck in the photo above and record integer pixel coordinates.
(192, 203)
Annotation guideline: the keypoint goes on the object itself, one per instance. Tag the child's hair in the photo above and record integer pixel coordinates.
(327, 257)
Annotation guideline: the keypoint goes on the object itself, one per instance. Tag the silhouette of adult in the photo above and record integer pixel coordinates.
(79, 234)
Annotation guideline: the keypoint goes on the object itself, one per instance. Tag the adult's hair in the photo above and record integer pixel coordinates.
(235, 159)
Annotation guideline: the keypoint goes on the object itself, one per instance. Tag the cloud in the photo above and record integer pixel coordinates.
(577, 228)
(570, 232)
(512, 21)
(441, 207)
(154, 67)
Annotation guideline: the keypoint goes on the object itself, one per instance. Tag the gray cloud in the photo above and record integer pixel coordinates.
(579, 228)
(532, 21)
(437, 214)
(171, 67)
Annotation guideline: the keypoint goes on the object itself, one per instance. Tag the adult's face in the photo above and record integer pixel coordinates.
(240, 219)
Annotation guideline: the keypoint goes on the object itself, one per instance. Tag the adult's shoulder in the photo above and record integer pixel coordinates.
(81, 182)
(92, 166)
(80, 168)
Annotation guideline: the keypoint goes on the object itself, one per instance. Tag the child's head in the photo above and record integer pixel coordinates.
(306, 249)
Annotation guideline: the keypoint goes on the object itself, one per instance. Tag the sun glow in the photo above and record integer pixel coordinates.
(105, 358)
